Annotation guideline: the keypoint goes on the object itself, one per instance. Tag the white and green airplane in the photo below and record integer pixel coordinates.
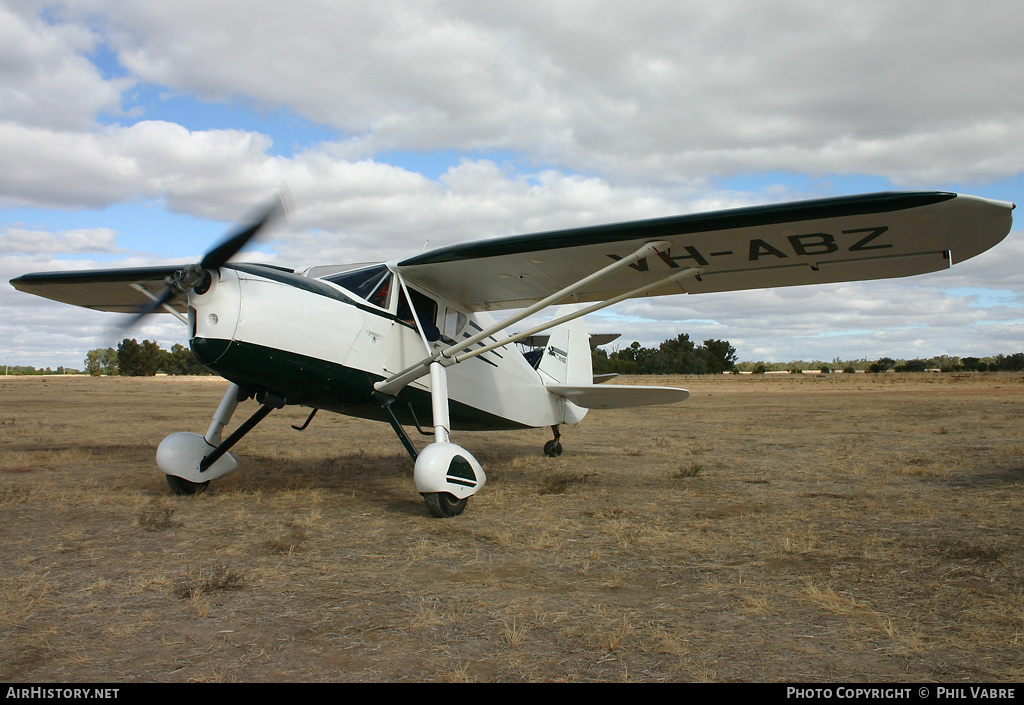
(413, 340)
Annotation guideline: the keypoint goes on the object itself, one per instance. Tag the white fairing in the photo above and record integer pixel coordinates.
(181, 453)
(446, 467)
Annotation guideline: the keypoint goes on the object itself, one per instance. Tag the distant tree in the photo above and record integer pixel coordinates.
(719, 356)
(914, 366)
(946, 363)
(101, 361)
(134, 360)
(972, 364)
(181, 361)
(1010, 363)
(624, 362)
(678, 355)
(883, 364)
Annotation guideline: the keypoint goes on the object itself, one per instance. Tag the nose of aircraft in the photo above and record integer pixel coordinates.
(213, 315)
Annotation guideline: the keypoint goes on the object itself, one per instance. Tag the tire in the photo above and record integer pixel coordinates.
(552, 449)
(182, 487)
(443, 505)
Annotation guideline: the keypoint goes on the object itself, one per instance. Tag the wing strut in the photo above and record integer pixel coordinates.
(450, 356)
(447, 357)
(688, 272)
(156, 299)
(415, 313)
(645, 250)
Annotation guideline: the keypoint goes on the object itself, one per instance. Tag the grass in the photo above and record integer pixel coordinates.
(219, 578)
(690, 470)
(854, 528)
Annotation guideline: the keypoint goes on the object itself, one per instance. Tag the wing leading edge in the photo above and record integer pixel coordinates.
(851, 238)
(873, 236)
(101, 289)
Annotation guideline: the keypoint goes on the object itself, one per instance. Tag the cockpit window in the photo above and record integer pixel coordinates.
(371, 283)
(426, 312)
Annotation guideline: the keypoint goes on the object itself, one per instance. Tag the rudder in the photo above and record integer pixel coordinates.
(566, 358)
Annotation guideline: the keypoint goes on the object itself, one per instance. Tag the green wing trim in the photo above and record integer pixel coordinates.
(659, 228)
(99, 289)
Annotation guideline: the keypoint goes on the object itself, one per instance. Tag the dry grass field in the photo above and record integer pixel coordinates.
(773, 528)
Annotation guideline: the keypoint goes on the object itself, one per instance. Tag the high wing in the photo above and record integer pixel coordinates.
(851, 238)
(118, 290)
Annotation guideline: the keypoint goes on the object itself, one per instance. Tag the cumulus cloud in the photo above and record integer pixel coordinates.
(658, 90)
(45, 79)
(93, 240)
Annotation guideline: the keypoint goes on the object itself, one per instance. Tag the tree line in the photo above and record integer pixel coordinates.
(999, 363)
(942, 363)
(675, 356)
(145, 359)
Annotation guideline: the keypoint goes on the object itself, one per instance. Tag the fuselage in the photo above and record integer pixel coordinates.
(318, 344)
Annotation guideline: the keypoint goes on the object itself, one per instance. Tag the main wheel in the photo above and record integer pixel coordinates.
(181, 486)
(552, 449)
(443, 504)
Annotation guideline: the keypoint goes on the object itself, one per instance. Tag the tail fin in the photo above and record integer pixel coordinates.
(566, 357)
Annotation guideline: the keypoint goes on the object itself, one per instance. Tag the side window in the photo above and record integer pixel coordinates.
(454, 322)
(426, 311)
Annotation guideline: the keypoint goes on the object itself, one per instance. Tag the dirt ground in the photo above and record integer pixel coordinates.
(772, 528)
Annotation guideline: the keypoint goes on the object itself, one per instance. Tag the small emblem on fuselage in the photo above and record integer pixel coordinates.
(375, 337)
(559, 355)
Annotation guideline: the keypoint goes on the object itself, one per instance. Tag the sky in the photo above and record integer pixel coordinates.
(139, 133)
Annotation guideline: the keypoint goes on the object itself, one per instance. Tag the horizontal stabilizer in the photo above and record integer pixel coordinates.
(617, 396)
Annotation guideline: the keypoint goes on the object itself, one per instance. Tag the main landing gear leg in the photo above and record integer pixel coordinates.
(385, 403)
(553, 448)
(446, 475)
(191, 461)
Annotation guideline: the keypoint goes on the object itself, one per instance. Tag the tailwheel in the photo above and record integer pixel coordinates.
(182, 487)
(553, 448)
(444, 504)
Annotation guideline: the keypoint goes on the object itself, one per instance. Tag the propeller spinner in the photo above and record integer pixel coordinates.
(194, 275)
